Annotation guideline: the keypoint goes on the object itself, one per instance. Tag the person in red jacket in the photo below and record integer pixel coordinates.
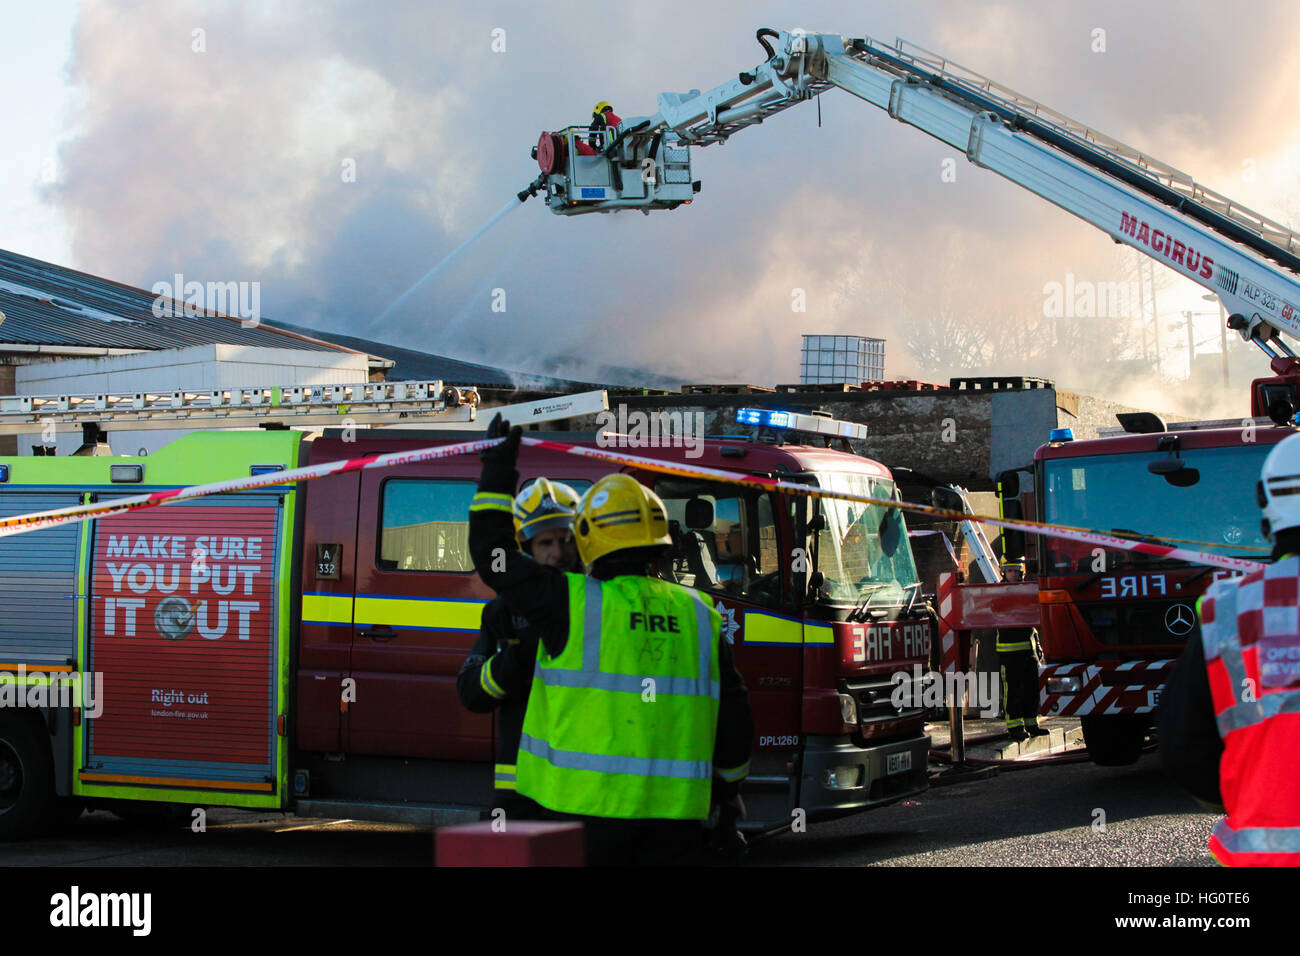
(1242, 675)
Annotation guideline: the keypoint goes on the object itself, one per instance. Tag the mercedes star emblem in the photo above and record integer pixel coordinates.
(1179, 620)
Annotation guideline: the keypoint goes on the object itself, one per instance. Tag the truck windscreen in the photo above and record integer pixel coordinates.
(1214, 504)
(863, 551)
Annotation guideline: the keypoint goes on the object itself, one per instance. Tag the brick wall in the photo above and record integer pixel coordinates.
(963, 437)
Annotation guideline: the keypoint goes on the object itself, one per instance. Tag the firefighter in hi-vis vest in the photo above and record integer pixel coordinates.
(637, 722)
(498, 673)
(1018, 664)
(1230, 714)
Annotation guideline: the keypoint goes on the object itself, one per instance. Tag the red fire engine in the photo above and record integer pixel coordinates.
(297, 647)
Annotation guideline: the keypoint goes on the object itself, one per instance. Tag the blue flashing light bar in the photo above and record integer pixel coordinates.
(1061, 434)
(798, 421)
(4, 472)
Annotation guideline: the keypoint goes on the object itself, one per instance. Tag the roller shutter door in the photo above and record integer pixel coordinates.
(38, 584)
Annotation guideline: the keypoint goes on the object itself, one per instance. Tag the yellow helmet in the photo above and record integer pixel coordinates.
(544, 505)
(600, 108)
(616, 513)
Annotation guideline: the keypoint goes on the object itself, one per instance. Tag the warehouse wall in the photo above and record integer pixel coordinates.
(196, 368)
(8, 443)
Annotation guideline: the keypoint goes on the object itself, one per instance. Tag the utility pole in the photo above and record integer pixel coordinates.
(1190, 319)
(1155, 315)
(1223, 332)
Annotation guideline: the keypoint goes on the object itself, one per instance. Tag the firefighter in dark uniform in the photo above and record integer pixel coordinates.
(1018, 663)
(603, 118)
(638, 724)
(498, 673)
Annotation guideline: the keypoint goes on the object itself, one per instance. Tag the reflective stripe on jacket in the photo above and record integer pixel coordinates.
(622, 722)
(1251, 632)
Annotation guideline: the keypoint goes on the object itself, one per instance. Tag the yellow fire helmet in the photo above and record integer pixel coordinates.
(616, 513)
(600, 108)
(1013, 565)
(544, 505)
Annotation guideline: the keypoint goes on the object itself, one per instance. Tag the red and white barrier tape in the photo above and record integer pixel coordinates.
(772, 484)
(47, 519)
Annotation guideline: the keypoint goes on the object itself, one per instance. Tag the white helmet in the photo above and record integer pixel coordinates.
(1278, 489)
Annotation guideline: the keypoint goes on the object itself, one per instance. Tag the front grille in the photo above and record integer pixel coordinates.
(873, 696)
(1123, 624)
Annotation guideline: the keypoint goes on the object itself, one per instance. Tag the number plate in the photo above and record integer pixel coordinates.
(898, 763)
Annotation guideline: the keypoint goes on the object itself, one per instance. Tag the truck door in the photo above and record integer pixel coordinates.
(417, 613)
(728, 545)
(325, 636)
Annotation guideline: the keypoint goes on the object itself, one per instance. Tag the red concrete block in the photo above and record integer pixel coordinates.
(522, 843)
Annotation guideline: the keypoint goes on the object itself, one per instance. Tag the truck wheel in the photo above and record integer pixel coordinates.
(1114, 740)
(26, 779)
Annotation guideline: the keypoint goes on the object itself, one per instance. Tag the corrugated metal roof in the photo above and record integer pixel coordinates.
(49, 305)
(413, 366)
(425, 366)
(53, 306)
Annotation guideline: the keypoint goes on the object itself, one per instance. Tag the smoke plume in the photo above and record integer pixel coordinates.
(335, 151)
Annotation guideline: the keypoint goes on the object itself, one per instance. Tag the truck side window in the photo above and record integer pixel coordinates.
(424, 525)
(725, 540)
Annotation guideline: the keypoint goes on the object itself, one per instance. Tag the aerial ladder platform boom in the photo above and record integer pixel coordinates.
(1251, 263)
